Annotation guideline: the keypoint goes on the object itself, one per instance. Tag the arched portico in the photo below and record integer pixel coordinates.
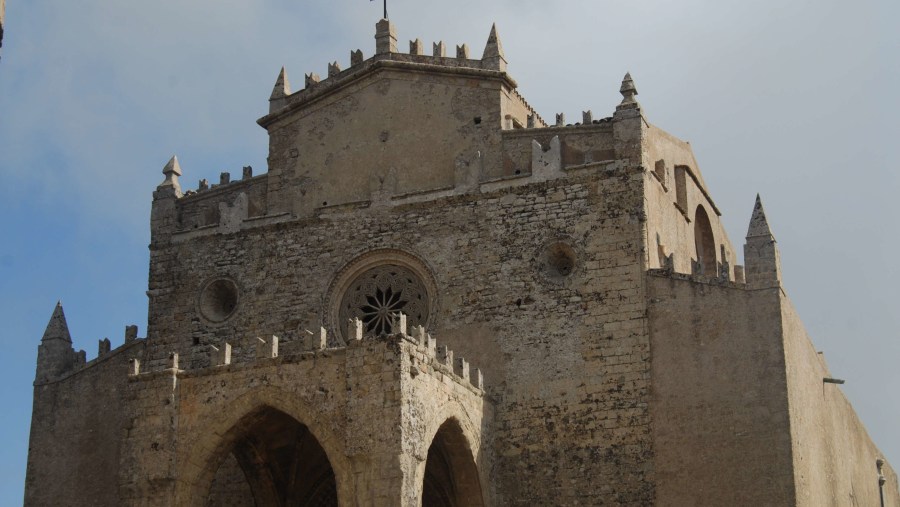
(274, 445)
(278, 460)
(450, 477)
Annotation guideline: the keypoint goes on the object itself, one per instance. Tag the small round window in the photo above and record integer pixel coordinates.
(219, 299)
(558, 260)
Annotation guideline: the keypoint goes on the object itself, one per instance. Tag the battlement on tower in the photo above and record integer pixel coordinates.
(57, 358)
(463, 115)
(492, 65)
(422, 350)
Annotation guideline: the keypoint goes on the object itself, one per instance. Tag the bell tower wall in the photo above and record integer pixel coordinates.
(394, 127)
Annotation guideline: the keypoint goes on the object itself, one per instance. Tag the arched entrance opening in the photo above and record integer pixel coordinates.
(451, 477)
(705, 242)
(273, 460)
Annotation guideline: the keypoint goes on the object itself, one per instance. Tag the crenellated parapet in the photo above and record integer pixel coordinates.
(425, 355)
(572, 145)
(522, 155)
(762, 268)
(356, 398)
(478, 137)
(544, 151)
(222, 206)
(388, 55)
(57, 358)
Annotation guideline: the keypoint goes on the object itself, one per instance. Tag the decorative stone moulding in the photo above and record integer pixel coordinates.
(380, 292)
(378, 284)
(218, 299)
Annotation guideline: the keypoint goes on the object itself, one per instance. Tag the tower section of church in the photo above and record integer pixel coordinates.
(434, 297)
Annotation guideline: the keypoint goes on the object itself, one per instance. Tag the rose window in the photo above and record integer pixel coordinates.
(378, 294)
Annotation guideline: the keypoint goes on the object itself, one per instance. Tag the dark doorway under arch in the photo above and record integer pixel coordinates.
(451, 477)
(273, 460)
(705, 243)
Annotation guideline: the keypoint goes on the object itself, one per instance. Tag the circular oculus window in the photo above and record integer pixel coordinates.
(218, 300)
(557, 261)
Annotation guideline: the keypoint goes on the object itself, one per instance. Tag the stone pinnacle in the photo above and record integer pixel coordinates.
(628, 90)
(57, 328)
(493, 58)
(282, 86)
(172, 167)
(494, 47)
(170, 186)
(759, 225)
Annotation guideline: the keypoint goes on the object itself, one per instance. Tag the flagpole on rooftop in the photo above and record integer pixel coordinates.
(385, 9)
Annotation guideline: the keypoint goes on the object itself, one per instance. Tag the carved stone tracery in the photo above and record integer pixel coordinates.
(378, 293)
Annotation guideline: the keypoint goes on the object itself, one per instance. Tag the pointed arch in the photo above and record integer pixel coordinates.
(705, 242)
(280, 460)
(274, 440)
(451, 476)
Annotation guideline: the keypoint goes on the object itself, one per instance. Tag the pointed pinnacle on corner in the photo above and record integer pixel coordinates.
(759, 224)
(494, 47)
(492, 37)
(57, 328)
(282, 86)
(628, 89)
(172, 167)
(170, 186)
(493, 57)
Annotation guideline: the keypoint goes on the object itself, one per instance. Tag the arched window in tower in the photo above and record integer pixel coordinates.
(705, 242)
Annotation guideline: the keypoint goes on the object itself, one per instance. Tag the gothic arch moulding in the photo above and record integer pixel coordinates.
(378, 283)
(219, 431)
(450, 475)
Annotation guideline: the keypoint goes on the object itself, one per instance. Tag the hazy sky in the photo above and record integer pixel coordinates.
(795, 100)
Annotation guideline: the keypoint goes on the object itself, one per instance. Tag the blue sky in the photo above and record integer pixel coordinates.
(794, 100)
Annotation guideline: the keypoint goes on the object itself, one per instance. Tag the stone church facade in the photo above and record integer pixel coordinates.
(434, 297)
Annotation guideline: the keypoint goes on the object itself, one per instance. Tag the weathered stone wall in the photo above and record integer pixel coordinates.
(603, 383)
(672, 217)
(202, 208)
(834, 459)
(230, 487)
(578, 146)
(432, 394)
(396, 132)
(516, 111)
(373, 406)
(76, 433)
(741, 414)
(565, 353)
(719, 404)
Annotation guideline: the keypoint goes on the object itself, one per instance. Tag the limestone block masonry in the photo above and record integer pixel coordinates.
(434, 297)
